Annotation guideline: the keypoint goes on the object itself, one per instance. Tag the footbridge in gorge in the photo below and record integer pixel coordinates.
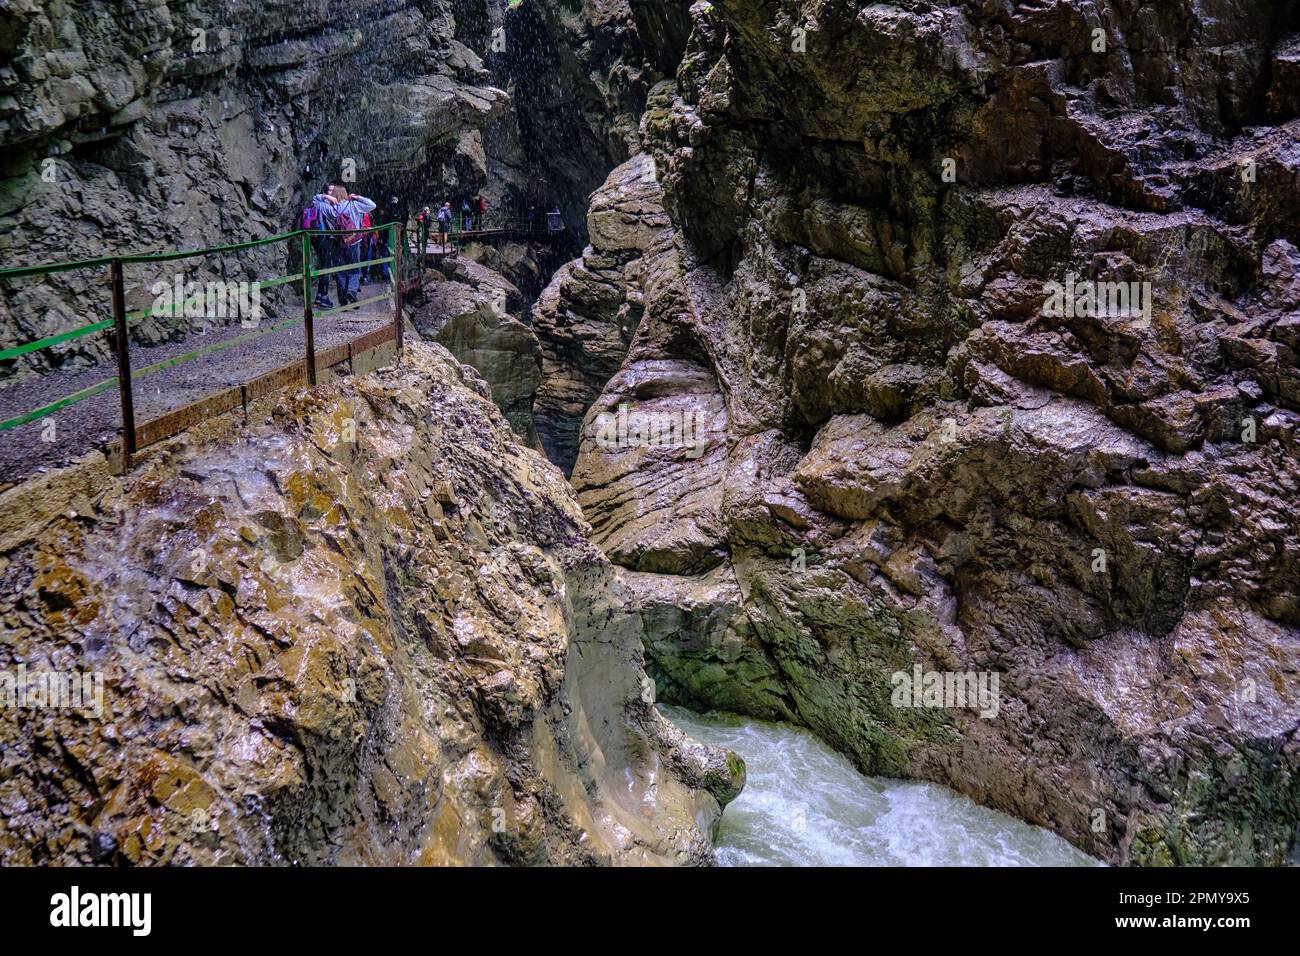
(265, 335)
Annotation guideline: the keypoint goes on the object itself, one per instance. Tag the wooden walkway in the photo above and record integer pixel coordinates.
(152, 392)
(174, 398)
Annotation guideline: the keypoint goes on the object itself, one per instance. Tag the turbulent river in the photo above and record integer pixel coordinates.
(806, 805)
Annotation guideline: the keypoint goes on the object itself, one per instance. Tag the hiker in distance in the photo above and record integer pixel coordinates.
(444, 224)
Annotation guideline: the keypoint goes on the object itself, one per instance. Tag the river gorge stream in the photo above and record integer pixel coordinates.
(806, 805)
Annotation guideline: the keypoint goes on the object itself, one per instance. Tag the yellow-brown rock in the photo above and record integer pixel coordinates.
(369, 628)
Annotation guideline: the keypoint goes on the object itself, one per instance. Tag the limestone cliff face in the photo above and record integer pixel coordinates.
(369, 628)
(580, 73)
(585, 317)
(905, 456)
(152, 125)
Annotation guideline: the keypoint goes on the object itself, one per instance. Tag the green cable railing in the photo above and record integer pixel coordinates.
(119, 324)
(538, 225)
(18, 350)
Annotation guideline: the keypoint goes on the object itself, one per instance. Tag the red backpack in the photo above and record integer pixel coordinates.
(344, 221)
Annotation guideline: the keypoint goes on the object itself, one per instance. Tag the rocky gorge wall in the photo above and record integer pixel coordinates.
(899, 454)
(579, 73)
(474, 312)
(368, 629)
(155, 125)
(165, 125)
(585, 318)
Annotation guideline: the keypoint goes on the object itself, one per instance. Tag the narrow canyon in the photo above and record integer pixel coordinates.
(830, 432)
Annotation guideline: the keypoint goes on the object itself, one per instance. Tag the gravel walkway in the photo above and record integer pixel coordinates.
(95, 421)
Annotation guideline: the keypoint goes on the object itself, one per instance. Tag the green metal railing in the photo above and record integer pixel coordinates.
(489, 225)
(537, 225)
(118, 325)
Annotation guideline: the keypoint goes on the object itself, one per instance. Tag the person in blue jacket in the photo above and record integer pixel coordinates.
(348, 211)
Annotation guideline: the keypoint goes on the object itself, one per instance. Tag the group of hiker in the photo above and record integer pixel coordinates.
(472, 212)
(338, 209)
(346, 223)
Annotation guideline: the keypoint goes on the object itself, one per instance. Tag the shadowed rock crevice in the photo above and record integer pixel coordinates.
(586, 317)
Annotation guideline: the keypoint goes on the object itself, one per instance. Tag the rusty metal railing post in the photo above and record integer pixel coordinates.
(121, 347)
(398, 240)
(308, 316)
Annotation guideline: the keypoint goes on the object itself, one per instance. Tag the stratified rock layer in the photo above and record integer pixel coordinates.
(469, 313)
(910, 457)
(369, 629)
(585, 318)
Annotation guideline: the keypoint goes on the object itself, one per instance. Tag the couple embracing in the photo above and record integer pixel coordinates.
(336, 208)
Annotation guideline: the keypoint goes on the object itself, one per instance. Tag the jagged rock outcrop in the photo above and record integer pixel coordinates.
(917, 453)
(470, 313)
(585, 318)
(370, 628)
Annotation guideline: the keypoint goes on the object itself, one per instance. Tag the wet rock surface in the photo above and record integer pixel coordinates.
(474, 313)
(585, 318)
(911, 458)
(830, 392)
(580, 72)
(370, 628)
